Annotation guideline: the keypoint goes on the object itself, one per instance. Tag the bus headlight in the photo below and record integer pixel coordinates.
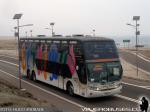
(94, 88)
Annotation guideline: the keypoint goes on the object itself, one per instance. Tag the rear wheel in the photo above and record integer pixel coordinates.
(70, 89)
(28, 73)
(33, 76)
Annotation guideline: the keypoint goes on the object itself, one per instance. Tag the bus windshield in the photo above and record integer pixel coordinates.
(104, 72)
(100, 49)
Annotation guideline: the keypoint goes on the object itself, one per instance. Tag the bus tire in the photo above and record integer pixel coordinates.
(28, 73)
(33, 76)
(70, 89)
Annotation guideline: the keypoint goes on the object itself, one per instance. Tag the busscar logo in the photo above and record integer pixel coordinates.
(144, 106)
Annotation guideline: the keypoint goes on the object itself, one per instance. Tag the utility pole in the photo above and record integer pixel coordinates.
(17, 17)
(136, 18)
(137, 32)
(52, 25)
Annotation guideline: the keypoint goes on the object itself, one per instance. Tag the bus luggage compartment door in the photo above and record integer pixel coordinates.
(61, 82)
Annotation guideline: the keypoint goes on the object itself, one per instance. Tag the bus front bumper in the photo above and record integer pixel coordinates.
(94, 93)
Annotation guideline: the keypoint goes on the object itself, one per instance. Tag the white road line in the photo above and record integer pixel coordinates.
(147, 86)
(9, 63)
(8, 56)
(140, 57)
(62, 98)
(136, 67)
(144, 56)
(122, 82)
(120, 96)
(144, 87)
(129, 99)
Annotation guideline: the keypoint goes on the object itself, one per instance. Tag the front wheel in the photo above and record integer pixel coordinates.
(70, 89)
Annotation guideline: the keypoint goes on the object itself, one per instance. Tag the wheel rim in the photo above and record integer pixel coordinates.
(33, 76)
(70, 90)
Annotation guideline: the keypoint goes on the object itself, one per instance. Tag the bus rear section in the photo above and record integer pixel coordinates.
(84, 66)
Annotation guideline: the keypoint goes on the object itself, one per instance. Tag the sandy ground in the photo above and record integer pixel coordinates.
(13, 53)
(9, 44)
(10, 96)
(8, 47)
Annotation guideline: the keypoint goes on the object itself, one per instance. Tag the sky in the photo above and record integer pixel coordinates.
(107, 17)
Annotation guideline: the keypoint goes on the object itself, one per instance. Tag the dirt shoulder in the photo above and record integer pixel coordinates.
(11, 96)
(8, 44)
(8, 47)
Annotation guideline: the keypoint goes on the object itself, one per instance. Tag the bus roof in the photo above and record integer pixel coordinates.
(74, 38)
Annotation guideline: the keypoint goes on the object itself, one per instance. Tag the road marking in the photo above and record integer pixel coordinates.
(122, 82)
(9, 63)
(127, 98)
(139, 56)
(120, 96)
(8, 56)
(144, 87)
(148, 73)
(144, 56)
(62, 98)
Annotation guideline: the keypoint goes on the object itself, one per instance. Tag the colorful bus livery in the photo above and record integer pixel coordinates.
(86, 66)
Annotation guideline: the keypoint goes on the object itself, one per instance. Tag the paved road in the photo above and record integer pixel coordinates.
(131, 58)
(130, 94)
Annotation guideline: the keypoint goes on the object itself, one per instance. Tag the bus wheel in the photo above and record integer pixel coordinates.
(28, 73)
(70, 89)
(33, 76)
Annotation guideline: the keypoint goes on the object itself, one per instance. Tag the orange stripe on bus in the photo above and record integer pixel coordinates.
(103, 60)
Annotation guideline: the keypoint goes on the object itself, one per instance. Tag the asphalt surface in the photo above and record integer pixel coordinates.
(131, 58)
(131, 92)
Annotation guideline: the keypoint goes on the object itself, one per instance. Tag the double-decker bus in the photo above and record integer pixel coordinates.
(86, 66)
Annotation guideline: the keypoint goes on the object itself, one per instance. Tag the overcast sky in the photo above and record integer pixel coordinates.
(107, 17)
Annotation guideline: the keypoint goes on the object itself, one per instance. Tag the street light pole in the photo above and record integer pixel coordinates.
(17, 17)
(52, 25)
(136, 18)
(19, 55)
